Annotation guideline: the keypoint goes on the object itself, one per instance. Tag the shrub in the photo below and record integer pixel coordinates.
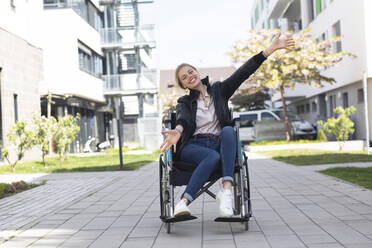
(321, 136)
(66, 129)
(22, 138)
(45, 129)
(341, 127)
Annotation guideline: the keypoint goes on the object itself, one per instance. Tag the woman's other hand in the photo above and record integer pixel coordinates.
(278, 43)
(172, 137)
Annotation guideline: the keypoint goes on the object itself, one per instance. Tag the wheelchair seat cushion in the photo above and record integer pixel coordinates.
(183, 166)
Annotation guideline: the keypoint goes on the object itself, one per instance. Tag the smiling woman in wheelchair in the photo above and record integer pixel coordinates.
(204, 135)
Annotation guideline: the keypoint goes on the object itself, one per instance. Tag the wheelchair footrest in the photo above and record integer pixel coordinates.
(177, 218)
(231, 219)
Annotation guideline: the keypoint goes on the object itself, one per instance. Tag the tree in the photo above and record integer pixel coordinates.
(250, 102)
(285, 68)
(22, 138)
(66, 129)
(45, 129)
(342, 126)
(169, 99)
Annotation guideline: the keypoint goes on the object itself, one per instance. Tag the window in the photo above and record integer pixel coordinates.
(318, 7)
(314, 106)
(89, 61)
(360, 96)
(345, 100)
(256, 14)
(300, 109)
(332, 104)
(247, 120)
(15, 100)
(84, 61)
(267, 116)
(307, 107)
(336, 30)
(311, 11)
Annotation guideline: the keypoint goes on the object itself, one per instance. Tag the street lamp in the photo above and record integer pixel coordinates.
(118, 106)
(366, 109)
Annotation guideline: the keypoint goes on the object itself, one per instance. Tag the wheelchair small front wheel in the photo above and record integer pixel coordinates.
(168, 227)
(246, 223)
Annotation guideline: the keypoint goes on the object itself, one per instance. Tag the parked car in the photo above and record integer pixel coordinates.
(300, 129)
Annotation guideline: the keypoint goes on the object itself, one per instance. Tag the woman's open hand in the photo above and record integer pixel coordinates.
(278, 43)
(171, 140)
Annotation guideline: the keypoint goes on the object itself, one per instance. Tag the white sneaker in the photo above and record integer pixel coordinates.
(225, 201)
(181, 209)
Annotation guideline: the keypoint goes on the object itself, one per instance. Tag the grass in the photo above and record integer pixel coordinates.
(105, 162)
(124, 149)
(282, 142)
(360, 176)
(314, 157)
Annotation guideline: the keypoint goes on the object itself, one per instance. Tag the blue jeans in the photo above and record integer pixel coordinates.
(209, 154)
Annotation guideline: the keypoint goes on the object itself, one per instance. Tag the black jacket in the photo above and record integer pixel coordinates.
(221, 93)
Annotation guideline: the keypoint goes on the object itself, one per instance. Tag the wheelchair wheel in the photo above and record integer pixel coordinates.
(163, 187)
(247, 191)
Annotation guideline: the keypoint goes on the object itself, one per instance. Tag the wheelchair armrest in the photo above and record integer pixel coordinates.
(236, 120)
(166, 121)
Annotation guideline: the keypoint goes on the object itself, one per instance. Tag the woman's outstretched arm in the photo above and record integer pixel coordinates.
(232, 83)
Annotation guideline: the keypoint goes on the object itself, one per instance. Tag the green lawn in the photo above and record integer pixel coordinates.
(360, 176)
(104, 162)
(314, 157)
(282, 142)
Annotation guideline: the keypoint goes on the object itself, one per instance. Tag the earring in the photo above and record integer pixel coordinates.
(187, 90)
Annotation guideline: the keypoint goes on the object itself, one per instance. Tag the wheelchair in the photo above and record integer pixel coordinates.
(176, 173)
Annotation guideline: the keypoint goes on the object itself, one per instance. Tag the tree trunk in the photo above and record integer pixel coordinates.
(43, 156)
(286, 124)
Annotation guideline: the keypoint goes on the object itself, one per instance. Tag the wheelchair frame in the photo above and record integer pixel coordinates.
(241, 185)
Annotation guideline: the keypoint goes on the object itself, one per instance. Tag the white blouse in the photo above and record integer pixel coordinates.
(206, 119)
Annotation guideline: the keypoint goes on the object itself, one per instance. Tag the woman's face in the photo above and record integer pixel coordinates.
(189, 77)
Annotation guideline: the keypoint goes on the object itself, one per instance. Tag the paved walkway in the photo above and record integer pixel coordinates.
(292, 207)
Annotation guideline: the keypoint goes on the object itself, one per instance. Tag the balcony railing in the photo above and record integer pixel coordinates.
(84, 9)
(128, 37)
(127, 84)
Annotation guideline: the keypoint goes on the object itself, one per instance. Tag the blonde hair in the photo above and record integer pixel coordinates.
(178, 69)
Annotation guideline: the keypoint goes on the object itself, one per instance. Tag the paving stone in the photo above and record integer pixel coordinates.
(138, 232)
(317, 239)
(113, 237)
(292, 207)
(285, 241)
(76, 243)
(326, 245)
(220, 243)
(100, 223)
(138, 243)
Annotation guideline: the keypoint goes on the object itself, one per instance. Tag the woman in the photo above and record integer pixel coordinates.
(203, 135)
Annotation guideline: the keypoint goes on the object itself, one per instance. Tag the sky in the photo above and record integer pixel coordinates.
(199, 32)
